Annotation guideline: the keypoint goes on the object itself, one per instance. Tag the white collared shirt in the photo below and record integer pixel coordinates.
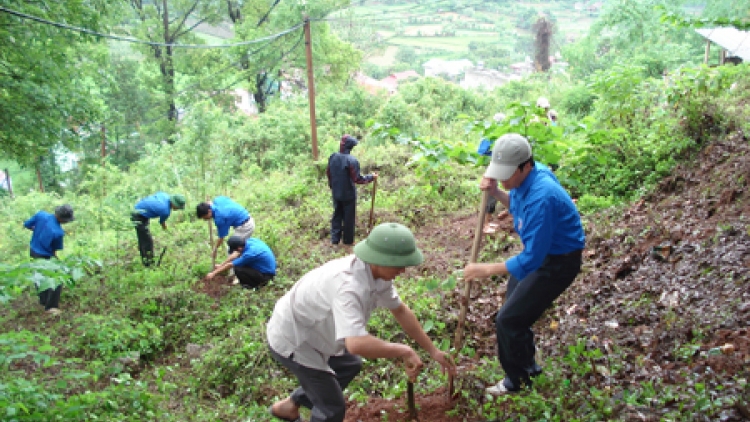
(327, 305)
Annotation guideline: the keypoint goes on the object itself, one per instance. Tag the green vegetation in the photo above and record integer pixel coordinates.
(148, 344)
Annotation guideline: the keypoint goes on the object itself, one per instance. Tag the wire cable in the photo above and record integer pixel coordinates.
(267, 13)
(223, 69)
(151, 43)
(283, 56)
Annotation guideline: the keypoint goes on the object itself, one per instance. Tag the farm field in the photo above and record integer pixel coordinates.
(416, 25)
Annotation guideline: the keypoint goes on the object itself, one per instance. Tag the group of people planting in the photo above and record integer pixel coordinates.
(318, 329)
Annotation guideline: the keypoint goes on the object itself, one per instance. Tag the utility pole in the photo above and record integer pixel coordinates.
(39, 177)
(104, 156)
(311, 89)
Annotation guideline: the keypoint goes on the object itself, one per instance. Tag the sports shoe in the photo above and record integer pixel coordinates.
(499, 389)
(53, 311)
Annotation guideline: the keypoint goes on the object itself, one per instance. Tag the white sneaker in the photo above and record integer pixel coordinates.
(498, 389)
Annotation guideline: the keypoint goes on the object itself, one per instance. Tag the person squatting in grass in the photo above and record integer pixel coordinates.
(550, 228)
(46, 240)
(159, 205)
(253, 261)
(343, 173)
(318, 329)
(226, 213)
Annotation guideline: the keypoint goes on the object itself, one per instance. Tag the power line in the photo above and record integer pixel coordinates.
(151, 43)
(268, 13)
(283, 55)
(225, 68)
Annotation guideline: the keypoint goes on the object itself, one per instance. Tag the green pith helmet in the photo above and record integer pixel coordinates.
(389, 245)
(178, 201)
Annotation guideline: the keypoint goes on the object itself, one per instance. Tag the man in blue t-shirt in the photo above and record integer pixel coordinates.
(226, 213)
(549, 225)
(253, 262)
(45, 242)
(159, 205)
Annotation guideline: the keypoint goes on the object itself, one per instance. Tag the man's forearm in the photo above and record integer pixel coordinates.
(413, 328)
(371, 347)
(503, 197)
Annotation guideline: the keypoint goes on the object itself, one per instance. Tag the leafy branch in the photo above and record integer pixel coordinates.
(679, 20)
(44, 274)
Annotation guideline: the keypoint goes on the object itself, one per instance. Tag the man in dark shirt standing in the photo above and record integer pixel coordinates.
(343, 174)
(45, 242)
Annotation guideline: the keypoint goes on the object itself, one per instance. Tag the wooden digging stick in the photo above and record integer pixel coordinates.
(410, 401)
(459, 338)
(211, 239)
(372, 206)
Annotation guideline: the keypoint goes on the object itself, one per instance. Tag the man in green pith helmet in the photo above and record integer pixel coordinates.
(318, 330)
(159, 205)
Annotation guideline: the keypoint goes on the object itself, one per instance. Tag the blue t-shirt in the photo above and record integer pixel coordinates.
(546, 219)
(257, 255)
(48, 234)
(156, 205)
(227, 213)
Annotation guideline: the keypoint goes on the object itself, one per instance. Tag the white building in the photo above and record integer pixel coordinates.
(450, 69)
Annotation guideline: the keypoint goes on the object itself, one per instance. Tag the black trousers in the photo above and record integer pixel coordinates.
(49, 298)
(145, 240)
(342, 222)
(525, 301)
(322, 391)
(250, 278)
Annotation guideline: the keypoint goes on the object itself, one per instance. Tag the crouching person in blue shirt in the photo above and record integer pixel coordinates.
(45, 242)
(253, 262)
(546, 219)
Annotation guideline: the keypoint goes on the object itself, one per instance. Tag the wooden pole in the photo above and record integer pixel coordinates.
(708, 51)
(372, 206)
(459, 338)
(39, 178)
(311, 89)
(104, 155)
(211, 239)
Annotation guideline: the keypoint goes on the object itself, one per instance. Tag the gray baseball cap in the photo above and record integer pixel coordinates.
(509, 152)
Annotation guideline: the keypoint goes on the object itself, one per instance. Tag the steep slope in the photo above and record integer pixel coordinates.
(664, 297)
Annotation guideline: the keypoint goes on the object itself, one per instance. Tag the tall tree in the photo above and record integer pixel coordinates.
(543, 30)
(173, 22)
(262, 64)
(45, 88)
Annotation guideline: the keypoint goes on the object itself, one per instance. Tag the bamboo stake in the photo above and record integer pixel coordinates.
(459, 338)
(372, 206)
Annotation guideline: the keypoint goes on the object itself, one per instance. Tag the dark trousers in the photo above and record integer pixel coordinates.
(250, 278)
(525, 301)
(322, 391)
(145, 241)
(344, 213)
(49, 298)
